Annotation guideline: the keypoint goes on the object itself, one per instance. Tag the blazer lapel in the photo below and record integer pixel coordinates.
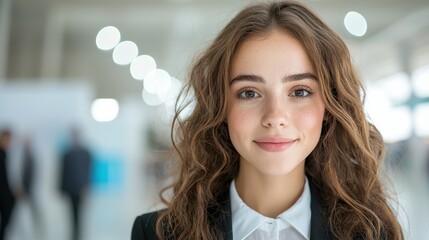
(225, 220)
(318, 228)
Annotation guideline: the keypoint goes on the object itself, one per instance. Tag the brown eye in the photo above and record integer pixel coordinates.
(248, 94)
(301, 93)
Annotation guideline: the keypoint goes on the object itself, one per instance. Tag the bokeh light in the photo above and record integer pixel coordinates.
(394, 123)
(125, 52)
(104, 109)
(171, 95)
(107, 38)
(355, 23)
(151, 99)
(397, 87)
(420, 82)
(397, 124)
(421, 120)
(141, 66)
(157, 81)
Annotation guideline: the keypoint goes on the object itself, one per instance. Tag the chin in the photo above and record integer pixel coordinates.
(278, 171)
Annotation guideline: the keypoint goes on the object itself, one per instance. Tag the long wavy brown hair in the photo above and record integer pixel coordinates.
(344, 166)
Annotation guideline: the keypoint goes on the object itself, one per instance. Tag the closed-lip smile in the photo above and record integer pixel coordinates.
(274, 144)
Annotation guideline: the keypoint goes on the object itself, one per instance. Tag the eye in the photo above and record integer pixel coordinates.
(301, 92)
(247, 94)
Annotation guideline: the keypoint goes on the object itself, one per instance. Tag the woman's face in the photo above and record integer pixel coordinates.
(276, 111)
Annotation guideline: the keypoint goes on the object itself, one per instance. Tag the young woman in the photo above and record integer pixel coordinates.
(278, 145)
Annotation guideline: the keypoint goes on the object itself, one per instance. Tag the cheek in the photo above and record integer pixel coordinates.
(238, 119)
(233, 120)
(310, 120)
(240, 123)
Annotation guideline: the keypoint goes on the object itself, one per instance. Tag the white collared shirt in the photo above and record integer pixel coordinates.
(292, 224)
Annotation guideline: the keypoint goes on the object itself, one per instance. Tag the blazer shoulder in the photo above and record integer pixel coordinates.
(144, 227)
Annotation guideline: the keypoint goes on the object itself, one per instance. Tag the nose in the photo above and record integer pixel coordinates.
(275, 114)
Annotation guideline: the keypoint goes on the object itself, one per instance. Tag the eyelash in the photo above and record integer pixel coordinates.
(242, 91)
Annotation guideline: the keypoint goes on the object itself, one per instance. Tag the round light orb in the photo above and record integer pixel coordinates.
(141, 66)
(104, 109)
(157, 81)
(125, 52)
(107, 38)
(355, 23)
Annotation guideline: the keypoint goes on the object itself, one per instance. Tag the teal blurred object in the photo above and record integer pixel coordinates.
(107, 171)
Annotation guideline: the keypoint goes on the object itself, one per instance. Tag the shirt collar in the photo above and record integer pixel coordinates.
(245, 220)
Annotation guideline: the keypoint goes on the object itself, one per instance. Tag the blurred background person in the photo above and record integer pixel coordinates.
(27, 191)
(7, 198)
(75, 179)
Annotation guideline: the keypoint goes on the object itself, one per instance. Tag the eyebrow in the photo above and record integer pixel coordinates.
(288, 78)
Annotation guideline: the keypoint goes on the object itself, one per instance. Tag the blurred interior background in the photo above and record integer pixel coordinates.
(113, 68)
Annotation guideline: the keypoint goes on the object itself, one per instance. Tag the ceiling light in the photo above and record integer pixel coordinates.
(157, 81)
(104, 109)
(141, 66)
(107, 38)
(355, 23)
(125, 52)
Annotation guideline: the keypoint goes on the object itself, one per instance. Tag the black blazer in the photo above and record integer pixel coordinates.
(75, 170)
(144, 225)
(7, 199)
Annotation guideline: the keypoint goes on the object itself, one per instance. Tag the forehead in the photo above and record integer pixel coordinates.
(271, 51)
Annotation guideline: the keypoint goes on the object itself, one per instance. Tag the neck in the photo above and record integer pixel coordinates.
(270, 195)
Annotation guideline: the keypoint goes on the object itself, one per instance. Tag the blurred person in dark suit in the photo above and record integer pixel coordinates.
(7, 198)
(28, 192)
(75, 178)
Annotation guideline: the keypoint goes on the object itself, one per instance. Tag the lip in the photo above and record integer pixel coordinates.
(274, 144)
